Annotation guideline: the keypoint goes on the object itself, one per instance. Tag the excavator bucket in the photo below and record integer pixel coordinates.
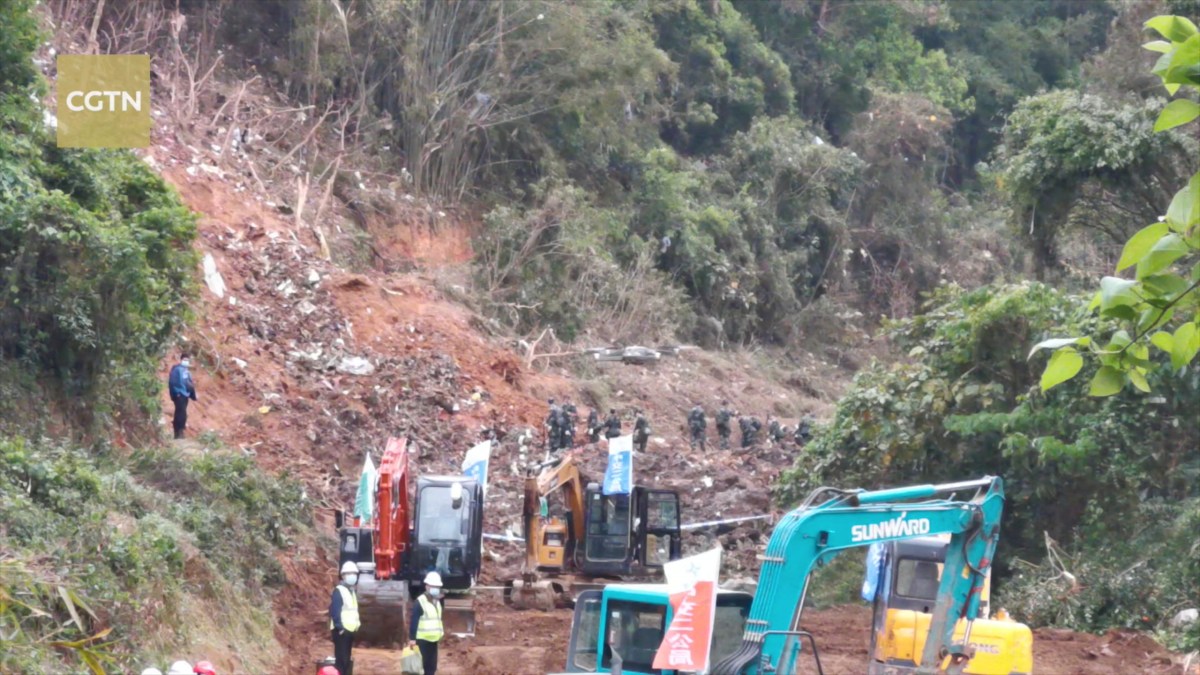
(530, 594)
(458, 613)
(383, 608)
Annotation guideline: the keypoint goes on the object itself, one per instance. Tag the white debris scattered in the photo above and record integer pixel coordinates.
(212, 277)
(240, 363)
(355, 365)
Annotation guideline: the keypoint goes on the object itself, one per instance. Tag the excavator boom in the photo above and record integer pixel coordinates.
(832, 520)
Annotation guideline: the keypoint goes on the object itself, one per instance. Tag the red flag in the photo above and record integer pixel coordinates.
(693, 602)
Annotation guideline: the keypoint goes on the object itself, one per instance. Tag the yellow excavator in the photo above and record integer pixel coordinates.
(577, 537)
(905, 597)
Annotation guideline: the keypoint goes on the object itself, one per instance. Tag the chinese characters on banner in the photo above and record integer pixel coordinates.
(692, 583)
(618, 478)
(475, 464)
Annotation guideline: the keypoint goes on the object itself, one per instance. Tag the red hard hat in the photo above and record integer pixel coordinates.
(205, 668)
(328, 670)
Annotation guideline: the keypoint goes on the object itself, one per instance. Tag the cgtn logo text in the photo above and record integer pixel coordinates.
(896, 527)
(101, 101)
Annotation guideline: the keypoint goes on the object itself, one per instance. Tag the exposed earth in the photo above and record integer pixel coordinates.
(280, 370)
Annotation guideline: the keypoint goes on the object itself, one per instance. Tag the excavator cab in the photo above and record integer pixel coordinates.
(447, 531)
(622, 626)
(628, 534)
(905, 597)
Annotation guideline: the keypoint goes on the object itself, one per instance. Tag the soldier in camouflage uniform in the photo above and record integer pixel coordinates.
(698, 426)
(641, 431)
(723, 430)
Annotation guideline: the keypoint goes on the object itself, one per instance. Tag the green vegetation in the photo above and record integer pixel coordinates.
(134, 557)
(1160, 306)
(109, 559)
(1098, 475)
(94, 252)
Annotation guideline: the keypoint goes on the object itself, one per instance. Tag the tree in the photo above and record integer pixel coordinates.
(1160, 305)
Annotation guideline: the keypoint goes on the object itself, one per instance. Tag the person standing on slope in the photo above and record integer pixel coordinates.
(343, 618)
(697, 424)
(593, 424)
(612, 425)
(641, 431)
(182, 389)
(425, 627)
(724, 415)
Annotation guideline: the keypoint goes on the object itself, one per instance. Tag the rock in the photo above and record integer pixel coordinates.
(1184, 618)
(314, 278)
(305, 307)
(355, 365)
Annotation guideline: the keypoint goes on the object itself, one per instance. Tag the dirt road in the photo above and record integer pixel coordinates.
(534, 643)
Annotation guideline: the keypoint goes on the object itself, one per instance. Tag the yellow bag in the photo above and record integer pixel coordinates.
(410, 662)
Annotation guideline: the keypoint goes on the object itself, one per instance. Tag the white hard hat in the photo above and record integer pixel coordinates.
(433, 579)
(180, 668)
(152, 671)
(349, 567)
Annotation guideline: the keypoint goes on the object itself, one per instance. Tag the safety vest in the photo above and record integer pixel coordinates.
(429, 627)
(350, 620)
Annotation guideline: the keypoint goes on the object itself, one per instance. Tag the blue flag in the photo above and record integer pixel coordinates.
(618, 478)
(475, 464)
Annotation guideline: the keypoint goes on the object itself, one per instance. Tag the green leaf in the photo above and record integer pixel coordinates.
(1160, 46)
(1163, 341)
(1174, 28)
(1195, 272)
(1185, 63)
(1054, 343)
(1139, 380)
(1107, 381)
(1168, 249)
(1063, 365)
(1140, 244)
(1180, 111)
(1115, 292)
(1186, 343)
(1166, 285)
(1184, 210)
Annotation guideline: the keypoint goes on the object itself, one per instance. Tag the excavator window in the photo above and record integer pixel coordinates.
(608, 525)
(635, 631)
(439, 523)
(917, 579)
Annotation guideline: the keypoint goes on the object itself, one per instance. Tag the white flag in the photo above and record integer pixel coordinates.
(475, 464)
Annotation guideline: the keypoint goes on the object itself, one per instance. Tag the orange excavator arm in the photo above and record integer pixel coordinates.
(392, 527)
(564, 475)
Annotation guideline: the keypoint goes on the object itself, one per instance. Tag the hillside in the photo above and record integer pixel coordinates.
(366, 220)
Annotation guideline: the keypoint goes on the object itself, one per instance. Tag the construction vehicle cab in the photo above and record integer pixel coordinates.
(439, 527)
(625, 623)
(830, 521)
(909, 573)
(572, 528)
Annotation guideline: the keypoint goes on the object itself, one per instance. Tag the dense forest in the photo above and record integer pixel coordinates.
(955, 176)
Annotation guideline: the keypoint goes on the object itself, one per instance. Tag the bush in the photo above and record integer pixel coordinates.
(966, 402)
(134, 539)
(1114, 576)
(95, 250)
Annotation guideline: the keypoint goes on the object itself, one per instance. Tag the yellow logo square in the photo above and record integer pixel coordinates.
(103, 101)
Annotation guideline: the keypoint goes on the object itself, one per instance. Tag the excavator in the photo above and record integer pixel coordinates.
(439, 527)
(588, 537)
(915, 633)
(906, 590)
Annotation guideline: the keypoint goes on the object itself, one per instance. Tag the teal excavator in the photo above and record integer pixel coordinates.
(832, 520)
(828, 522)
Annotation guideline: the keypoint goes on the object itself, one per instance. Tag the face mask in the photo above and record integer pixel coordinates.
(185, 363)
(435, 592)
(351, 579)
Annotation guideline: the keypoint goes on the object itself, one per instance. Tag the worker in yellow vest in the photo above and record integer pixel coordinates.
(343, 618)
(425, 628)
